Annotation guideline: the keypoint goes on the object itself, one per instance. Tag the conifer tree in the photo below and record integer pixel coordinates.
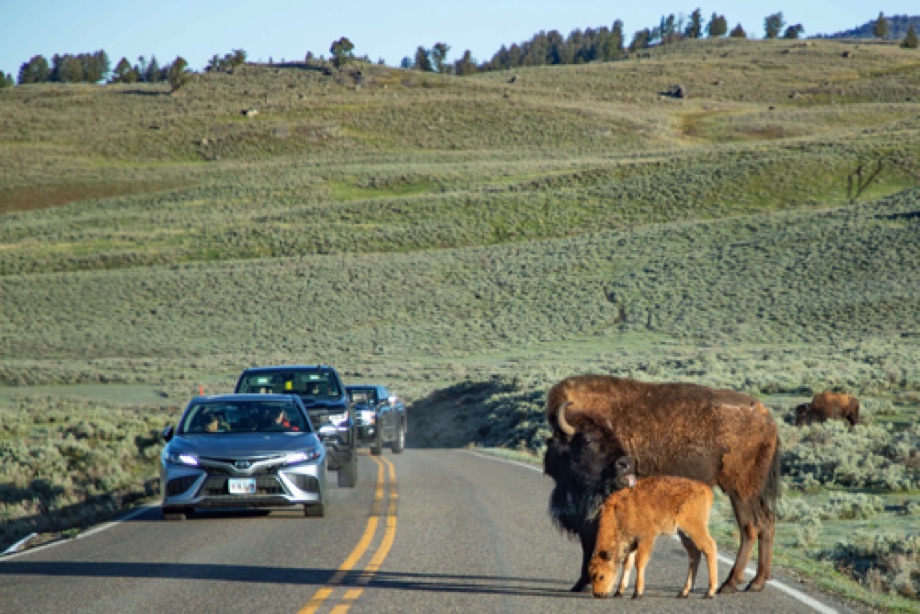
(342, 52)
(439, 56)
(422, 60)
(773, 25)
(124, 73)
(880, 27)
(737, 32)
(793, 32)
(718, 26)
(695, 27)
(153, 74)
(178, 74)
(465, 65)
(910, 39)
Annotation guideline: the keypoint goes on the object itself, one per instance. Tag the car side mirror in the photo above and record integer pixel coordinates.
(168, 432)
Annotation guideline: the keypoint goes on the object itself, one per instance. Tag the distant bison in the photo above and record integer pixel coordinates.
(719, 437)
(632, 518)
(828, 405)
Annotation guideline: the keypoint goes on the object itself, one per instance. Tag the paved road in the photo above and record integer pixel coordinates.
(429, 530)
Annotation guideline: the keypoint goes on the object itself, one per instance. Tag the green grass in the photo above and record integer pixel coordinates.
(469, 242)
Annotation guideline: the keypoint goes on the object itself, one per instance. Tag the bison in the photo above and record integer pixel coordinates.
(632, 518)
(720, 437)
(828, 405)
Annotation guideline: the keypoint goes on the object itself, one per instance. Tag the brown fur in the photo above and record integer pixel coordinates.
(632, 518)
(828, 405)
(720, 437)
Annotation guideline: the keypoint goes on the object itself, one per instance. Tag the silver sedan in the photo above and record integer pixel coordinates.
(243, 450)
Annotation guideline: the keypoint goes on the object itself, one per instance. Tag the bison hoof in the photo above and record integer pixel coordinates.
(754, 588)
(637, 596)
(682, 595)
(601, 595)
(709, 596)
(727, 589)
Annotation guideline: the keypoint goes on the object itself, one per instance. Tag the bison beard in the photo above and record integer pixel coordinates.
(582, 484)
(720, 437)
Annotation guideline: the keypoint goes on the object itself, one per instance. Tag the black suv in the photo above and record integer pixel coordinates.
(322, 392)
(380, 415)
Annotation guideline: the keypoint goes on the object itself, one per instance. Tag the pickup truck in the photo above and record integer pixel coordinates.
(323, 394)
(380, 416)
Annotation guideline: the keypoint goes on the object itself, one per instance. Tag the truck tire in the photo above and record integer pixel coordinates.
(314, 510)
(377, 446)
(348, 473)
(399, 444)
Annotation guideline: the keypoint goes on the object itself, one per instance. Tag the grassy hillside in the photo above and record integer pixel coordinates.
(469, 241)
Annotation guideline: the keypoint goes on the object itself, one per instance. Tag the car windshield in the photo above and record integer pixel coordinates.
(243, 417)
(316, 383)
(361, 395)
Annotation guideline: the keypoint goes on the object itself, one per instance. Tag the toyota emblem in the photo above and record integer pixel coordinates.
(242, 464)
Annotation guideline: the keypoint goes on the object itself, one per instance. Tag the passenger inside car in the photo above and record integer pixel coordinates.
(277, 420)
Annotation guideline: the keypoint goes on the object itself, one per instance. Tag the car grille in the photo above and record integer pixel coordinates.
(216, 485)
(180, 485)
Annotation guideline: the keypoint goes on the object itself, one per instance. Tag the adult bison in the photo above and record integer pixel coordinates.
(720, 437)
(828, 405)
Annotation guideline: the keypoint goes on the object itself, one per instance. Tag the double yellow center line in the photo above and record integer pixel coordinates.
(385, 470)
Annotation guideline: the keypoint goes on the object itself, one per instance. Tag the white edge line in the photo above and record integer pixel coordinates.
(14, 552)
(800, 596)
(15, 547)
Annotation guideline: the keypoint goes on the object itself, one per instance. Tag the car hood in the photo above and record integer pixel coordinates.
(243, 444)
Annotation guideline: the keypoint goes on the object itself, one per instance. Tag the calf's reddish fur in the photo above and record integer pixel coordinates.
(632, 518)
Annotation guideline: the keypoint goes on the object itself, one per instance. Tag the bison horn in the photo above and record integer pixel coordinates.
(564, 425)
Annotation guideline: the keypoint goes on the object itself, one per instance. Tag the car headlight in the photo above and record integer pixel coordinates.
(181, 458)
(338, 418)
(302, 457)
(369, 417)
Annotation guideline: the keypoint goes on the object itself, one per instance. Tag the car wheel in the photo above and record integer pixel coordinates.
(377, 446)
(315, 510)
(348, 473)
(175, 513)
(398, 444)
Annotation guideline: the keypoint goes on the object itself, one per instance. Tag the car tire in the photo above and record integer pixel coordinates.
(377, 446)
(348, 473)
(314, 510)
(399, 444)
(175, 513)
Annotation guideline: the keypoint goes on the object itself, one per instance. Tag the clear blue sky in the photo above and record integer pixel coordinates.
(287, 29)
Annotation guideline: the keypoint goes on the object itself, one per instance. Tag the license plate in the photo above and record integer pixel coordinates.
(241, 486)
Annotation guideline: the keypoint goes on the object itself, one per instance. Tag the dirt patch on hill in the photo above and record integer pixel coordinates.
(449, 418)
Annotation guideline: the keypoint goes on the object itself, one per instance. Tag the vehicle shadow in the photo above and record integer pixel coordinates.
(435, 583)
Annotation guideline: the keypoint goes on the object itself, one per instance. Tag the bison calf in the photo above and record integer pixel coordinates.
(632, 518)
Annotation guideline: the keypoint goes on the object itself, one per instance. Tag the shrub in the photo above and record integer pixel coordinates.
(882, 563)
(849, 506)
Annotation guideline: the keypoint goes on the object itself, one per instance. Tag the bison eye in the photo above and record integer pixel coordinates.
(605, 555)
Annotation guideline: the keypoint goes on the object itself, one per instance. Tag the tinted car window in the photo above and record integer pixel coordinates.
(243, 417)
(318, 383)
(361, 395)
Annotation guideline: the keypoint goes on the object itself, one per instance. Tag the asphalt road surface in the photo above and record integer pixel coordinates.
(429, 530)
